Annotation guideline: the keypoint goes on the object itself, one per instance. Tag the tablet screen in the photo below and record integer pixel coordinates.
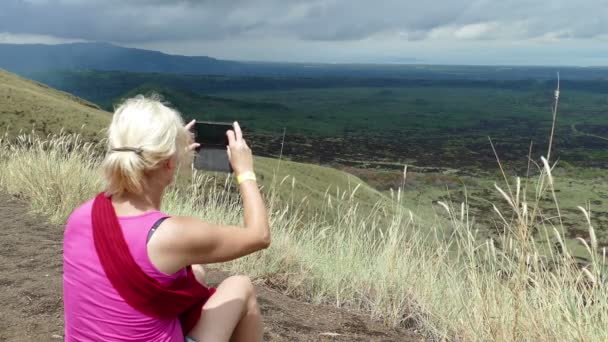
(212, 133)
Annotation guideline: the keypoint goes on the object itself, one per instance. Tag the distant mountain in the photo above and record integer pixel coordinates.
(28, 60)
(103, 56)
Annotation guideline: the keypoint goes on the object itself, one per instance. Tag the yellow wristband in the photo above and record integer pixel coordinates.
(245, 176)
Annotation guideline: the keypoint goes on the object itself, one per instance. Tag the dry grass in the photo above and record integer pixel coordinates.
(336, 247)
(29, 105)
(387, 263)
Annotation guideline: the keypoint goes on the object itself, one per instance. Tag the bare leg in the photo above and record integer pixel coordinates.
(250, 327)
(231, 314)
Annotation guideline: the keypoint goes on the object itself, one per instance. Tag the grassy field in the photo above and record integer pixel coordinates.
(430, 122)
(389, 264)
(27, 106)
(437, 126)
(371, 133)
(443, 249)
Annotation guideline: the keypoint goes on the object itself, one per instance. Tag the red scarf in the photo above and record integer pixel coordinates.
(184, 298)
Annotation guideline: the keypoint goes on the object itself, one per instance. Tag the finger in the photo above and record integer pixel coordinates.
(237, 131)
(194, 146)
(190, 124)
(231, 137)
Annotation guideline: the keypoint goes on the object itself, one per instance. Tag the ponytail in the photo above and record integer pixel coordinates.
(143, 133)
(124, 172)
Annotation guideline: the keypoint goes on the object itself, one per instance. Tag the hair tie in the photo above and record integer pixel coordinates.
(137, 151)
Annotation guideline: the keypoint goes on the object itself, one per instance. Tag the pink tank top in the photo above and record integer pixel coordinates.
(94, 311)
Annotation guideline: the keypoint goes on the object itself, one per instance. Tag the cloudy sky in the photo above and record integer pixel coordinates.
(514, 32)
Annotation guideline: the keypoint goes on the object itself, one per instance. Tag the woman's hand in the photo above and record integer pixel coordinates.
(189, 241)
(239, 153)
(191, 144)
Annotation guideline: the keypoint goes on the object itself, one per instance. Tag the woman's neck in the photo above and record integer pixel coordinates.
(150, 199)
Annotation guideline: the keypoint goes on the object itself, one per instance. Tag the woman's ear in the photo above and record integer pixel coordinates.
(169, 164)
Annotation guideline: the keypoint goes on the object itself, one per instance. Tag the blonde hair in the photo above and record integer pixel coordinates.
(144, 132)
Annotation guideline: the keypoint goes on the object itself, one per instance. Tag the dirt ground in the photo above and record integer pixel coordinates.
(31, 307)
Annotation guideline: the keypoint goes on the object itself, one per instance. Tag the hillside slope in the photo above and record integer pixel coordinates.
(103, 56)
(27, 105)
(314, 184)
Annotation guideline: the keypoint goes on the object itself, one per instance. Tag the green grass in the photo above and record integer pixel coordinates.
(27, 106)
(331, 111)
(373, 104)
(214, 108)
(48, 111)
(426, 109)
(299, 182)
(416, 120)
(421, 125)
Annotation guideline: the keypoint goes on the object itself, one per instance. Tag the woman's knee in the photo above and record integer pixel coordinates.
(246, 289)
(233, 300)
(243, 284)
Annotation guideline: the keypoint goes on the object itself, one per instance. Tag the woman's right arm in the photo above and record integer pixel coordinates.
(182, 241)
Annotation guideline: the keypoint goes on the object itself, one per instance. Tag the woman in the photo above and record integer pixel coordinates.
(127, 274)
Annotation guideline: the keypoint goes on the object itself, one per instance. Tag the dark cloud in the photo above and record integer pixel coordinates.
(123, 21)
(141, 21)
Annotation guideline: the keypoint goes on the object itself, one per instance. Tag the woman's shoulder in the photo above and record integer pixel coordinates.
(81, 213)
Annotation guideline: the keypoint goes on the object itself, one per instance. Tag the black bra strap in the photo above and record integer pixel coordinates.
(155, 226)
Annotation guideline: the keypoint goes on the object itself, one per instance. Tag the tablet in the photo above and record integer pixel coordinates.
(212, 154)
